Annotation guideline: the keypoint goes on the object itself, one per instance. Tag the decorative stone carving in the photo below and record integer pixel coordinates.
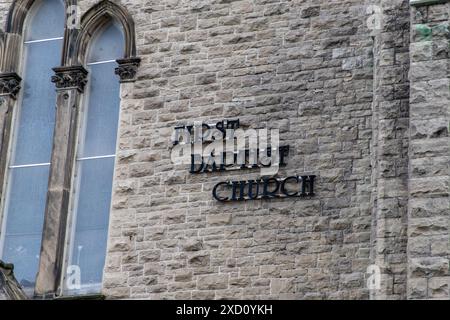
(127, 69)
(10, 84)
(9, 287)
(74, 77)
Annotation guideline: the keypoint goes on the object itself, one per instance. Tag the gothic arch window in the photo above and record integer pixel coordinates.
(57, 164)
(94, 19)
(28, 166)
(96, 157)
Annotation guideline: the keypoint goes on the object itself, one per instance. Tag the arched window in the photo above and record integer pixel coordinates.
(31, 148)
(93, 182)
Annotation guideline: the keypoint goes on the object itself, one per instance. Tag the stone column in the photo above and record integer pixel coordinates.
(9, 89)
(429, 176)
(70, 83)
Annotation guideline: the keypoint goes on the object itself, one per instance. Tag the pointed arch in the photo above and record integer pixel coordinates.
(17, 15)
(11, 38)
(97, 17)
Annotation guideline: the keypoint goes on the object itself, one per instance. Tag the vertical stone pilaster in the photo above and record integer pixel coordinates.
(429, 176)
(70, 83)
(390, 147)
(10, 45)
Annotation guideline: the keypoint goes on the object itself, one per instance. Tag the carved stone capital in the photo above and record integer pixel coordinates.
(9, 286)
(67, 78)
(10, 84)
(127, 69)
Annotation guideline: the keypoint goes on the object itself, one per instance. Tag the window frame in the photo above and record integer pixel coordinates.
(30, 14)
(49, 283)
(76, 178)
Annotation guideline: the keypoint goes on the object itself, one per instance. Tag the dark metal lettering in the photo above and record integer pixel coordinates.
(270, 194)
(269, 188)
(283, 187)
(216, 196)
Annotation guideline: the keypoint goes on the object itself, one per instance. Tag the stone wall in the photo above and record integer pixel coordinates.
(429, 201)
(301, 66)
(390, 147)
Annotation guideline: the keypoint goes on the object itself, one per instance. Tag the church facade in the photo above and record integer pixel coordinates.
(350, 199)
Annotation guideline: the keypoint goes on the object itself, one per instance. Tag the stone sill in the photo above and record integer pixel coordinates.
(418, 3)
(83, 297)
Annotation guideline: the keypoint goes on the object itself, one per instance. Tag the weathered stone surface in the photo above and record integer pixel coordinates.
(149, 256)
(213, 282)
(429, 267)
(429, 226)
(429, 189)
(279, 286)
(183, 276)
(219, 220)
(199, 260)
(192, 245)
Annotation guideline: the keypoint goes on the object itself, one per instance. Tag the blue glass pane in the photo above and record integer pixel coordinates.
(89, 255)
(25, 220)
(47, 21)
(36, 117)
(95, 176)
(103, 106)
(107, 45)
(92, 218)
(23, 251)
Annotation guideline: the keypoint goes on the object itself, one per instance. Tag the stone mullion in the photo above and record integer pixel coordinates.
(10, 86)
(10, 45)
(389, 148)
(6, 108)
(9, 89)
(70, 83)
